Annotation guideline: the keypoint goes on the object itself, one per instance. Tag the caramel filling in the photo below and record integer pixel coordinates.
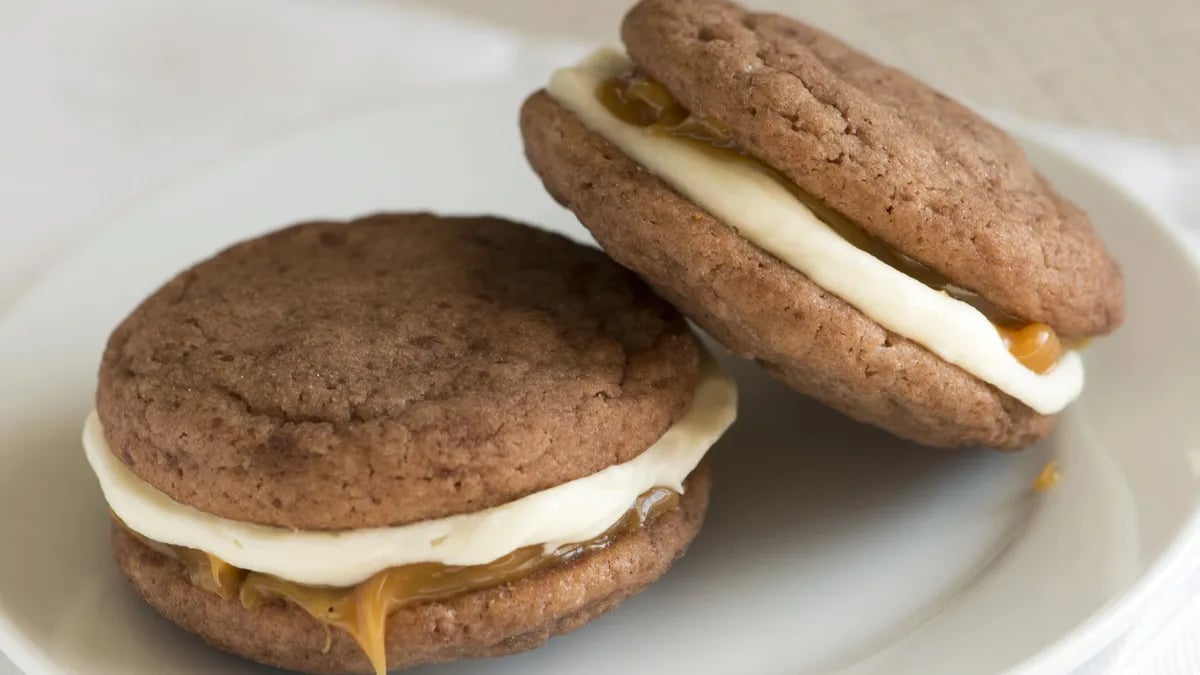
(1035, 345)
(362, 610)
(639, 100)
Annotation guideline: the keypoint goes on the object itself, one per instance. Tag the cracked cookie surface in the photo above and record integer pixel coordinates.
(911, 166)
(391, 369)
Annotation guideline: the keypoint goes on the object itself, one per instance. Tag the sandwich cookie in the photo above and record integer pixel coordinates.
(354, 447)
(871, 242)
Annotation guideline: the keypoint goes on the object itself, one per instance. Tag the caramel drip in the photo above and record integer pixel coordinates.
(1035, 345)
(637, 99)
(362, 610)
(209, 572)
(204, 570)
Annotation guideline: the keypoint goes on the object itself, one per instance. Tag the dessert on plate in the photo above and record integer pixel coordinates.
(353, 447)
(869, 241)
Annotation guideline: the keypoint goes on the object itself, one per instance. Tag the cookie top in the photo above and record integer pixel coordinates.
(392, 369)
(912, 167)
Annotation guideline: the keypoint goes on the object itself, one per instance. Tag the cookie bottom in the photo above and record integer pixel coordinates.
(503, 620)
(759, 307)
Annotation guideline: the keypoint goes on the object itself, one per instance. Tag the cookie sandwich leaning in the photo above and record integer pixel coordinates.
(871, 242)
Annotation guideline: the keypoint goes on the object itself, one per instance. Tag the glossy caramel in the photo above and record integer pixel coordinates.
(362, 610)
(637, 99)
(642, 101)
(209, 572)
(1035, 345)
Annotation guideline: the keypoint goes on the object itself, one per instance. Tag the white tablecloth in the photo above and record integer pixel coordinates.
(103, 101)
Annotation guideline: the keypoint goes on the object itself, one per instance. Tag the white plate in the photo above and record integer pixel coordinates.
(830, 546)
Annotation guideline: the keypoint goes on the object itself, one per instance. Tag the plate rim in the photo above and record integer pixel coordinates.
(1108, 622)
(1071, 650)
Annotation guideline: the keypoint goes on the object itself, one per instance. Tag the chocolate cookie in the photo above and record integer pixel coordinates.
(716, 101)
(348, 447)
(412, 366)
(896, 157)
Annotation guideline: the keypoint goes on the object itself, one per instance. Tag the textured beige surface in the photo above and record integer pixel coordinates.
(1113, 64)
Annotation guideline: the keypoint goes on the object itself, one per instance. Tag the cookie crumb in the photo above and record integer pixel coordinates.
(1048, 478)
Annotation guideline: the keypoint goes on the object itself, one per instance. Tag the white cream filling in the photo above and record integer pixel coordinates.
(575, 511)
(765, 212)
